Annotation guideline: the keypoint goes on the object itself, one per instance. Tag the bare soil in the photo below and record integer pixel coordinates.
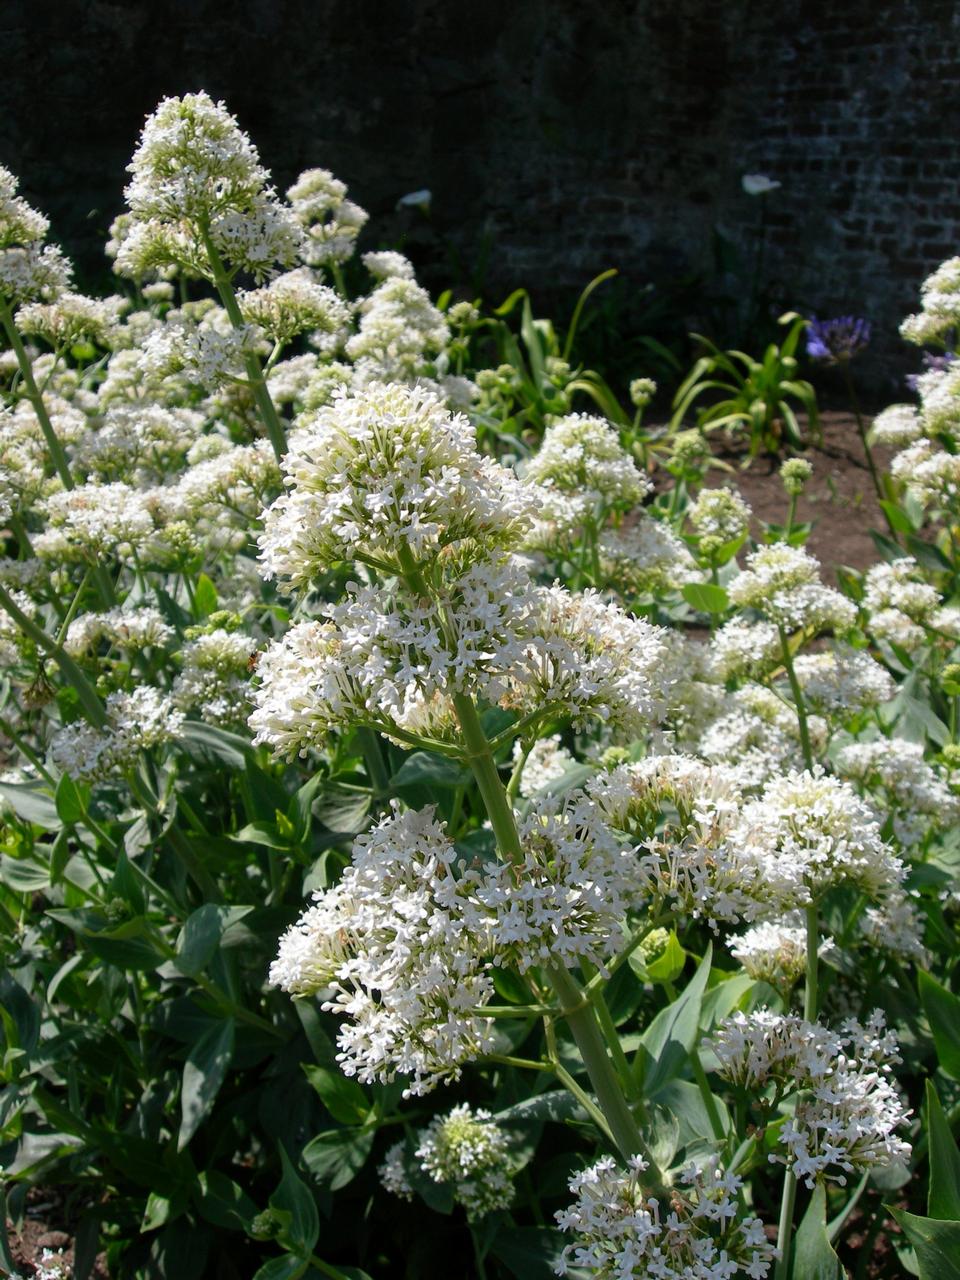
(839, 500)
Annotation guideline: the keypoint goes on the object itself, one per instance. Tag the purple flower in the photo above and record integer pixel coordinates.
(838, 340)
(930, 361)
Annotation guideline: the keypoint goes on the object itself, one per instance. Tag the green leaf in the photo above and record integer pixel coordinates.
(214, 746)
(529, 1253)
(286, 1267)
(204, 597)
(942, 1008)
(262, 832)
(668, 965)
(814, 1258)
(672, 1034)
(943, 1198)
(200, 936)
(59, 857)
(342, 1097)
(71, 800)
(294, 1202)
(705, 596)
(897, 517)
(203, 1074)
(221, 1202)
(425, 769)
(23, 876)
(936, 1244)
(928, 555)
(337, 1156)
(32, 803)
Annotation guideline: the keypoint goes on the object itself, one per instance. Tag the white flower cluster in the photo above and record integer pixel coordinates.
(136, 721)
(400, 331)
(29, 270)
(128, 629)
(896, 426)
(645, 556)
(293, 303)
(387, 945)
(939, 314)
(198, 189)
(696, 864)
(900, 605)
(547, 761)
(842, 680)
(464, 1149)
(920, 799)
(745, 648)
(774, 951)
(330, 221)
(582, 456)
(783, 583)
(622, 1232)
(818, 832)
(720, 515)
(72, 318)
(382, 474)
(847, 1111)
(215, 680)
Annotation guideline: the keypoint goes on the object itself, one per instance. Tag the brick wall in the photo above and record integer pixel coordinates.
(558, 138)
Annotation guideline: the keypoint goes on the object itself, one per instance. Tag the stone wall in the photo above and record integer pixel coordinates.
(557, 138)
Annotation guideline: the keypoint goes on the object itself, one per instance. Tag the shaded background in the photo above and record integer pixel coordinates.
(557, 139)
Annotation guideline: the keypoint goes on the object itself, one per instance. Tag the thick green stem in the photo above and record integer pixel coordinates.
(580, 1015)
(373, 759)
(797, 698)
(56, 450)
(811, 994)
(258, 386)
(785, 1228)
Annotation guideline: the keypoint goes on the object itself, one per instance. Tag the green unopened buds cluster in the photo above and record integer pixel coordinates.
(795, 473)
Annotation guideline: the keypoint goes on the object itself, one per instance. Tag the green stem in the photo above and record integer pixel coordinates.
(797, 698)
(581, 1018)
(810, 1000)
(258, 385)
(373, 759)
(785, 1227)
(811, 994)
(89, 699)
(867, 451)
(54, 447)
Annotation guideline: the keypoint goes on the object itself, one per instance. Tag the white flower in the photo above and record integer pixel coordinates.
(421, 199)
(758, 184)
(468, 1149)
(389, 945)
(702, 1233)
(136, 721)
(382, 474)
(547, 761)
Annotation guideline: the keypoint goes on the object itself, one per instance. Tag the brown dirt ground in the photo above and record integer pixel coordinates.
(839, 500)
(45, 1208)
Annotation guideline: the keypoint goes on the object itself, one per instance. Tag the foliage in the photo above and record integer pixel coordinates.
(757, 397)
(439, 831)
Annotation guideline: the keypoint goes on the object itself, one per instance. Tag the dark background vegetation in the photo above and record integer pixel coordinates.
(557, 138)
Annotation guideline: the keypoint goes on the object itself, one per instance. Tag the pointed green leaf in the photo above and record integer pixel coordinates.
(943, 1199)
(294, 1202)
(672, 1034)
(814, 1258)
(705, 596)
(204, 597)
(203, 1074)
(286, 1267)
(942, 1008)
(936, 1244)
(71, 800)
(337, 1156)
(342, 1097)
